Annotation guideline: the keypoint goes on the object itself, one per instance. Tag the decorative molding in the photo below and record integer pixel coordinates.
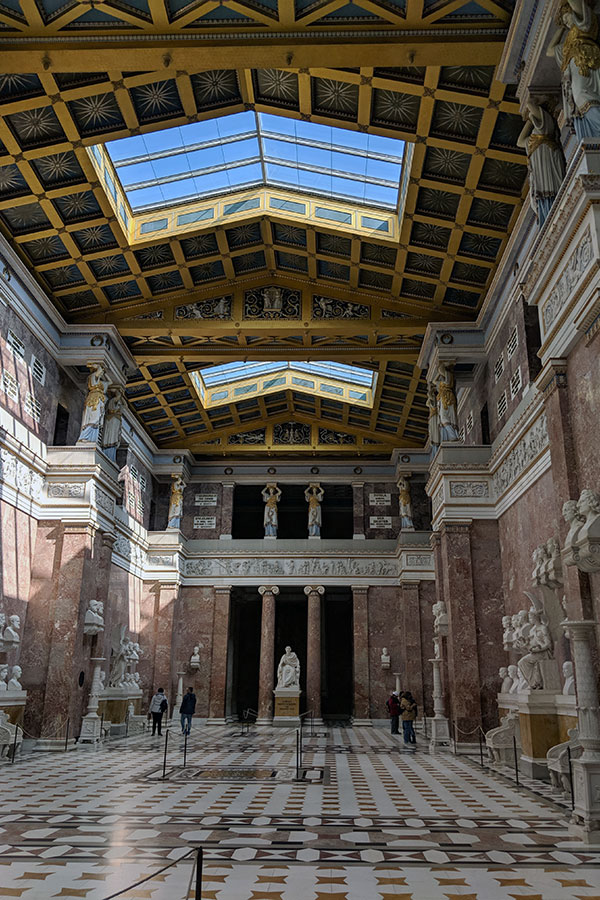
(292, 567)
(17, 474)
(418, 559)
(104, 501)
(469, 489)
(522, 455)
(66, 489)
(562, 292)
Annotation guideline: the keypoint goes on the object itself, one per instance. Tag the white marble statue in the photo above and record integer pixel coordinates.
(404, 502)
(313, 495)
(95, 402)
(546, 160)
(288, 670)
(195, 657)
(11, 632)
(3, 677)
(513, 674)
(434, 419)
(506, 680)
(540, 647)
(94, 617)
(272, 300)
(385, 659)
(446, 403)
(113, 417)
(119, 661)
(440, 617)
(576, 51)
(508, 635)
(14, 684)
(271, 494)
(176, 502)
(569, 685)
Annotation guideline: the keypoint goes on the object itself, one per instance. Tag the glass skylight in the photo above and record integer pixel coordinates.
(235, 371)
(249, 149)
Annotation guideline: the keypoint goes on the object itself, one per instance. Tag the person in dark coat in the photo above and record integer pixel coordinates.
(408, 709)
(186, 710)
(394, 709)
(158, 706)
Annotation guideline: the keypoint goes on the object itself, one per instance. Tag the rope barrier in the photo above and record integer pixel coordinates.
(149, 877)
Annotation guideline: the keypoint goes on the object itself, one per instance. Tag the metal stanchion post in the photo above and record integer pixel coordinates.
(165, 756)
(101, 725)
(297, 755)
(185, 749)
(14, 753)
(480, 750)
(516, 760)
(454, 736)
(571, 778)
(127, 724)
(198, 893)
(67, 735)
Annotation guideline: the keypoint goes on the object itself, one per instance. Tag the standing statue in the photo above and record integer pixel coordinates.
(176, 502)
(539, 644)
(446, 403)
(111, 434)
(406, 520)
(313, 495)
(271, 494)
(546, 160)
(93, 412)
(119, 661)
(434, 419)
(578, 57)
(288, 670)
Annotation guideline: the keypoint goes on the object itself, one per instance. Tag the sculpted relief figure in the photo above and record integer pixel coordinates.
(113, 417)
(546, 161)
(95, 402)
(176, 502)
(404, 501)
(313, 495)
(446, 403)
(513, 674)
(271, 494)
(288, 670)
(576, 51)
(434, 419)
(540, 647)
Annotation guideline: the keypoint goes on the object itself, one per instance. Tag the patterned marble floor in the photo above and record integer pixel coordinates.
(370, 821)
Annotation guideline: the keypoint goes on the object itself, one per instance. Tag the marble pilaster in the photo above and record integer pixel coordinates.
(226, 511)
(266, 677)
(358, 507)
(360, 619)
(166, 600)
(412, 666)
(218, 673)
(313, 650)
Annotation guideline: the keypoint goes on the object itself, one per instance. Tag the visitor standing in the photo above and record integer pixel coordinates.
(394, 710)
(158, 705)
(409, 714)
(186, 710)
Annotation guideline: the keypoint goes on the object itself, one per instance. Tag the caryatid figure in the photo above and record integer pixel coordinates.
(313, 495)
(577, 53)
(113, 417)
(271, 494)
(176, 502)
(447, 403)
(95, 402)
(404, 502)
(546, 160)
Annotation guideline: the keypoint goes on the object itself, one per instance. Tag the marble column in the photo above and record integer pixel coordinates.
(360, 618)
(266, 677)
(412, 666)
(313, 650)
(218, 672)
(164, 674)
(440, 733)
(358, 508)
(226, 511)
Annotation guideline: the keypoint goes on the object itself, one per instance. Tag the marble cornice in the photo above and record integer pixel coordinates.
(453, 527)
(552, 376)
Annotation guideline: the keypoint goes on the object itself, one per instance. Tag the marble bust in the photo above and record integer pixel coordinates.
(506, 680)
(513, 673)
(288, 670)
(195, 657)
(385, 658)
(3, 677)
(14, 684)
(11, 632)
(569, 685)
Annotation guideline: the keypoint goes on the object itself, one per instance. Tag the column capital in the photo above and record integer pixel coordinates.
(552, 376)
(314, 589)
(581, 628)
(266, 589)
(223, 589)
(108, 539)
(462, 527)
(359, 588)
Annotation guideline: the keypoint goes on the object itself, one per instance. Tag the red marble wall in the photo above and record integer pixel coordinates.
(427, 597)
(17, 544)
(385, 630)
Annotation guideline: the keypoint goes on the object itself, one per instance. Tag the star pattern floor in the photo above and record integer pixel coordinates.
(386, 823)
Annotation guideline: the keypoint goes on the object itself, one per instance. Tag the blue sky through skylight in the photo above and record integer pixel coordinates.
(251, 149)
(235, 371)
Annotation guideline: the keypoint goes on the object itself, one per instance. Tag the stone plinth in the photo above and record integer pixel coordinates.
(13, 704)
(538, 723)
(287, 706)
(113, 706)
(566, 710)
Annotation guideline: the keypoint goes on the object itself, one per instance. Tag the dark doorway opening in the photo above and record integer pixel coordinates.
(485, 424)
(61, 426)
(245, 628)
(290, 630)
(337, 680)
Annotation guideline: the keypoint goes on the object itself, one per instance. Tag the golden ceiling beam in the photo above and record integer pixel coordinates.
(151, 354)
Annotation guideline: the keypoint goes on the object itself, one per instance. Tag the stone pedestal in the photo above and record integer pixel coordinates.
(440, 731)
(13, 704)
(538, 724)
(91, 730)
(266, 677)
(287, 707)
(113, 705)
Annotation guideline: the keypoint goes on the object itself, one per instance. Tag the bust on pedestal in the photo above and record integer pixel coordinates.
(287, 692)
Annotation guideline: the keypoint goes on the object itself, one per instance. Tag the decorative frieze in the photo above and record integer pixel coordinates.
(20, 476)
(70, 489)
(104, 501)
(563, 290)
(462, 489)
(522, 455)
(257, 567)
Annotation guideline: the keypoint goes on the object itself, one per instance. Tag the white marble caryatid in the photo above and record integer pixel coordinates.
(440, 618)
(446, 403)
(176, 502)
(3, 677)
(195, 657)
(113, 418)
(386, 660)
(540, 647)
(11, 632)
(506, 680)
(539, 138)
(434, 419)
(569, 677)
(404, 502)
(95, 402)
(288, 670)
(271, 494)
(94, 617)
(313, 495)
(14, 684)
(576, 51)
(513, 674)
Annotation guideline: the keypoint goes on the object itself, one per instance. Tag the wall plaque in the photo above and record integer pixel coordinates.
(380, 499)
(205, 521)
(205, 500)
(380, 521)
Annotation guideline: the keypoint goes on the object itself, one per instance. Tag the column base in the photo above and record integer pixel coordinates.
(534, 768)
(91, 732)
(286, 722)
(217, 720)
(225, 537)
(440, 734)
(265, 720)
(585, 821)
(359, 537)
(314, 537)
(362, 723)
